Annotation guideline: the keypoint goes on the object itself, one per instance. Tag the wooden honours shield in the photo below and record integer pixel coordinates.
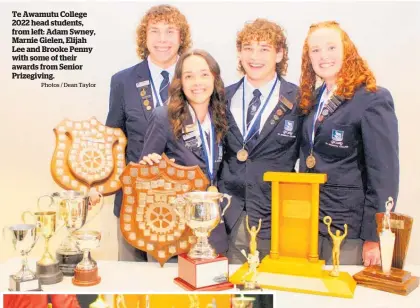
(88, 154)
(148, 218)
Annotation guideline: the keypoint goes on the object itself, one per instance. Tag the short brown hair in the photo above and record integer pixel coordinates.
(168, 14)
(264, 30)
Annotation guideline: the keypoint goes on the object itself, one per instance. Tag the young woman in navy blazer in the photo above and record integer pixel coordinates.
(191, 128)
(351, 134)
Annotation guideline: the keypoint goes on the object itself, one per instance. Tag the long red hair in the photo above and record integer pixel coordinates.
(353, 73)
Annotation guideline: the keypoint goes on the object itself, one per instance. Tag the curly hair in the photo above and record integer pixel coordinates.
(178, 105)
(167, 14)
(353, 73)
(264, 30)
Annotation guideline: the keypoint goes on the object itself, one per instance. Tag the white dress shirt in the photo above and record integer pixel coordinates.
(236, 103)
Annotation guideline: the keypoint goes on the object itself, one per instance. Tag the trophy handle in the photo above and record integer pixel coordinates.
(229, 199)
(101, 205)
(25, 214)
(49, 205)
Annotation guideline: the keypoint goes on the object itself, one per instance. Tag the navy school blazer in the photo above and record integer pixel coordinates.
(276, 149)
(130, 92)
(357, 147)
(161, 139)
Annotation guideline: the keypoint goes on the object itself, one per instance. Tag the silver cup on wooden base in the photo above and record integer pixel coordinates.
(86, 271)
(24, 237)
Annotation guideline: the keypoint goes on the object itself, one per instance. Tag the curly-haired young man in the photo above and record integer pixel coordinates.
(162, 35)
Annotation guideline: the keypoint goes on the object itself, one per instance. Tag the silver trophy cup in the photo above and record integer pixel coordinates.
(24, 238)
(73, 210)
(202, 213)
(86, 271)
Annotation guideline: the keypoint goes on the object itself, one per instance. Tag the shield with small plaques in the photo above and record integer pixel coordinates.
(88, 155)
(151, 218)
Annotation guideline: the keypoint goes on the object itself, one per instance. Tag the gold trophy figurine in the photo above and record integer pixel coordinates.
(253, 235)
(249, 279)
(337, 239)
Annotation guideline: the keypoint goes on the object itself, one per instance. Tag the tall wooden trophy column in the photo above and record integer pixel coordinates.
(293, 263)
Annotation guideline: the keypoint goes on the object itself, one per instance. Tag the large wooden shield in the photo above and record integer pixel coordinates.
(148, 217)
(88, 154)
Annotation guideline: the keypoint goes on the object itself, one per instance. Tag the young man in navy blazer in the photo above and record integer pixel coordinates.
(162, 35)
(263, 134)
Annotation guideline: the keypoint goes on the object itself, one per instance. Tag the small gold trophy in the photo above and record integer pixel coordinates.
(47, 267)
(249, 279)
(337, 239)
(253, 235)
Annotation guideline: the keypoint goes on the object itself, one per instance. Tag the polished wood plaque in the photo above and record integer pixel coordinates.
(88, 155)
(398, 281)
(148, 218)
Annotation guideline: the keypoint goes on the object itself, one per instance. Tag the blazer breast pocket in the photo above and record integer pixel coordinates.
(286, 131)
(336, 141)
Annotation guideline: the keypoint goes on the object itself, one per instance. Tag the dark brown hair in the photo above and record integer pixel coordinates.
(178, 105)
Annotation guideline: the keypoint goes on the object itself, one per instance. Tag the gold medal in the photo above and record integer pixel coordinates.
(143, 92)
(242, 155)
(212, 189)
(146, 102)
(310, 161)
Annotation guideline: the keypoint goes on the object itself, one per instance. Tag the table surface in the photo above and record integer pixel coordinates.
(142, 278)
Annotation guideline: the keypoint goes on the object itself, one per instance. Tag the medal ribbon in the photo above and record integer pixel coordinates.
(321, 103)
(208, 149)
(158, 101)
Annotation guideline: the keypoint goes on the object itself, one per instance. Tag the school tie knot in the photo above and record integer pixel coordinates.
(257, 93)
(253, 106)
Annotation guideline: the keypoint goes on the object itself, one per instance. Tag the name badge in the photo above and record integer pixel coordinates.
(142, 83)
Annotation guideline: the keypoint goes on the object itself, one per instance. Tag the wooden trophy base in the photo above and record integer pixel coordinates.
(86, 278)
(203, 274)
(298, 275)
(398, 281)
